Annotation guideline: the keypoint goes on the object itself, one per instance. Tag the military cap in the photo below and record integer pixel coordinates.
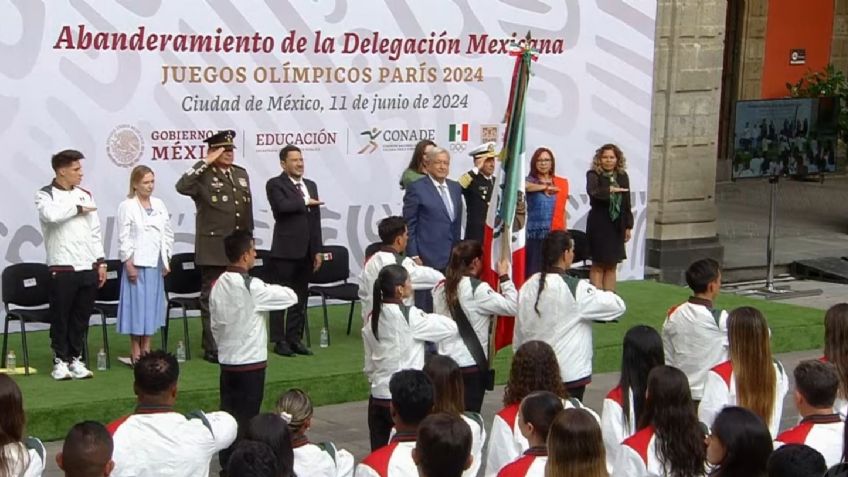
(485, 150)
(221, 139)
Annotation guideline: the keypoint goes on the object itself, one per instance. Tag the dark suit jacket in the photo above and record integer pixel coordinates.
(297, 228)
(432, 234)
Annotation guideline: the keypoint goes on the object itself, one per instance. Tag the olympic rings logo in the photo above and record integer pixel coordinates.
(458, 146)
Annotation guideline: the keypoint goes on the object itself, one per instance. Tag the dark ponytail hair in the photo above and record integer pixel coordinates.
(540, 408)
(390, 277)
(462, 255)
(554, 245)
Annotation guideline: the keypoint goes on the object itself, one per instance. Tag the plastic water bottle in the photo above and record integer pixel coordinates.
(181, 354)
(11, 362)
(102, 362)
(325, 337)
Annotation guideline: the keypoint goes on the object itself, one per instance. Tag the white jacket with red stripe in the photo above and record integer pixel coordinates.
(393, 460)
(720, 391)
(613, 426)
(638, 456)
(694, 338)
(530, 464)
(821, 432)
(506, 443)
(164, 444)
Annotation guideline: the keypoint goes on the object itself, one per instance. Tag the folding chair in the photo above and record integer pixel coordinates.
(330, 281)
(25, 298)
(183, 281)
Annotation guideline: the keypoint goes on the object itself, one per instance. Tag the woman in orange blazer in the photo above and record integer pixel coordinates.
(547, 195)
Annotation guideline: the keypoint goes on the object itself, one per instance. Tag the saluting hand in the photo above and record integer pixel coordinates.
(314, 203)
(213, 155)
(618, 189)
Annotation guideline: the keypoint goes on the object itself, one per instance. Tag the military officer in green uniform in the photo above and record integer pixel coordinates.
(477, 185)
(221, 193)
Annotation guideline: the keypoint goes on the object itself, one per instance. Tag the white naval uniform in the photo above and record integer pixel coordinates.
(322, 460)
(27, 458)
(479, 303)
(567, 308)
(169, 444)
(614, 428)
(694, 338)
(821, 432)
(70, 238)
(422, 277)
(238, 306)
(720, 391)
(530, 464)
(638, 456)
(393, 460)
(506, 443)
(401, 343)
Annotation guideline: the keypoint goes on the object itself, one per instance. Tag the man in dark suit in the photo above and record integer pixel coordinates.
(432, 208)
(295, 248)
(221, 193)
(477, 185)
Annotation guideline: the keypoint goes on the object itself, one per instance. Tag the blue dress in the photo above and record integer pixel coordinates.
(540, 212)
(141, 309)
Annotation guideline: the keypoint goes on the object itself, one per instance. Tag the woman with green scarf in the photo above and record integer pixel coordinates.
(610, 220)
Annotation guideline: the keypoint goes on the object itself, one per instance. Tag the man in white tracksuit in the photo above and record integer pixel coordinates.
(71, 228)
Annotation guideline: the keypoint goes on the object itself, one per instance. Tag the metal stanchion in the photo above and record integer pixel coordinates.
(770, 291)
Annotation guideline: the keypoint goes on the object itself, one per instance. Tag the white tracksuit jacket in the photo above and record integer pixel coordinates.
(567, 308)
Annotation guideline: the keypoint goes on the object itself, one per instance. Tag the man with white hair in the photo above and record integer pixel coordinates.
(432, 208)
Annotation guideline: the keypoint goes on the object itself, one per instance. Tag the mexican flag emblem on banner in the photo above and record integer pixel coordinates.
(459, 132)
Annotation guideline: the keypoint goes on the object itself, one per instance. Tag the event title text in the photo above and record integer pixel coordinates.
(82, 38)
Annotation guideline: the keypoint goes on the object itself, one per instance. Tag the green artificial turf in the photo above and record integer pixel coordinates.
(334, 374)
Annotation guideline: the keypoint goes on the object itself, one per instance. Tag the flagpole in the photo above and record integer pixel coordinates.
(511, 152)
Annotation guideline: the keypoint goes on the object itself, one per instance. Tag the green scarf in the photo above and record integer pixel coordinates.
(615, 197)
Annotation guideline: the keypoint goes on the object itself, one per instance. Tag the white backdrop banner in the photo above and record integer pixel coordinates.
(355, 84)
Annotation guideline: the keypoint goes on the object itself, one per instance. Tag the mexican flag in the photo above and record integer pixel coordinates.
(505, 223)
(458, 132)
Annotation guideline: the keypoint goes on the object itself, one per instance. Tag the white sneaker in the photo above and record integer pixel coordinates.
(78, 369)
(60, 370)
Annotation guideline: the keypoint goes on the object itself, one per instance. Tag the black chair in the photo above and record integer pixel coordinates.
(330, 281)
(262, 268)
(25, 297)
(106, 303)
(581, 254)
(183, 281)
(371, 249)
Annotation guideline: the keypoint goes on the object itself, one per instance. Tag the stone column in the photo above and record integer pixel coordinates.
(687, 86)
(839, 45)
